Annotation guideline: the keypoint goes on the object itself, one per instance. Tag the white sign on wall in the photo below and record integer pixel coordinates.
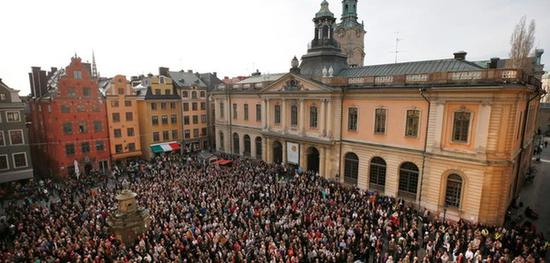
(292, 152)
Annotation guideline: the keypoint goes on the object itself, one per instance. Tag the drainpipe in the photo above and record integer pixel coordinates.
(422, 90)
(341, 128)
(524, 128)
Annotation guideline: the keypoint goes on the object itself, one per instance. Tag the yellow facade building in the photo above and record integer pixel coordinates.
(159, 110)
(450, 135)
(122, 118)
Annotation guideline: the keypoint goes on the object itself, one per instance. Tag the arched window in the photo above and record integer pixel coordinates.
(259, 148)
(236, 149)
(454, 190)
(247, 146)
(377, 173)
(221, 142)
(408, 180)
(351, 168)
(294, 115)
(313, 117)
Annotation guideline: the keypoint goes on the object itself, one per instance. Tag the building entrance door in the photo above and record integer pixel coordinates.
(312, 159)
(277, 152)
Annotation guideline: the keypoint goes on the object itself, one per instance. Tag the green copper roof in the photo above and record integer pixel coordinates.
(324, 12)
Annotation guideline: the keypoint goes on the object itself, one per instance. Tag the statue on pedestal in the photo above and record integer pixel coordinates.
(128, 221)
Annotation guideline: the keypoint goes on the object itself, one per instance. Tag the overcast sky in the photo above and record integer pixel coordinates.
(235, 37)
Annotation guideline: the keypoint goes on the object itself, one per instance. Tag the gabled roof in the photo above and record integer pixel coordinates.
(415, 67)
(186, 79)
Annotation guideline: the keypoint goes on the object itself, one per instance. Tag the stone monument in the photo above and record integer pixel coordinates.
(128, 220)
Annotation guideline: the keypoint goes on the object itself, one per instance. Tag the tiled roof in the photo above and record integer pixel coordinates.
(186, 79)
(415, 67)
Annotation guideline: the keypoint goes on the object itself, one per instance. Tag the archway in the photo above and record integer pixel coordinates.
(277, 152)
(259, 148)
(312, 159)
(351, 168)
(246, 145)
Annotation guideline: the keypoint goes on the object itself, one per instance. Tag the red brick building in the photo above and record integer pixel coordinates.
(68, 120)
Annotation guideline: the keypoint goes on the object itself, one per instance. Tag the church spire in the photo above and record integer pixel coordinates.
(95, 75)
(349, 10)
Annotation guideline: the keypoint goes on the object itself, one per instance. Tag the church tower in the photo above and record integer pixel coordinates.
(324, 54)
(351, 35)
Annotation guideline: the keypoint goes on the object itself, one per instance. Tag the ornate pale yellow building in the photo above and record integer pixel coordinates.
(449, 135)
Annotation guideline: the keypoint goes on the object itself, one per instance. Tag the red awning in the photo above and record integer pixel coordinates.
(175, 146)
(223, 162)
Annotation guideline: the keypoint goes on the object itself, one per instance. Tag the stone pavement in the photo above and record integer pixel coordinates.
(536, 195)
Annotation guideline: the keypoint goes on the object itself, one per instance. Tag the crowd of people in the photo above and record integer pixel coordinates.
(247, 212)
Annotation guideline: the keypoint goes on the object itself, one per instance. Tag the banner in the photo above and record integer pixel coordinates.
(293, 152)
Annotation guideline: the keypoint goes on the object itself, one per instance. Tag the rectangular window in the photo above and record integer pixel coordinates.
(81, 108)
(118, 133)
(99, 146)
(131, 147)
(313, 117)
(234, 111)
(114, 104)
(120, 91)
(2, 139)
(174, 134)
(118, 148)
(413, 118)
(13, 116)
(184, 94)
(153, 106)
(155, 120)
(277, 114)
(195, 119)
(67, 128)
(185, 120)
(258, 112)
(163, 105)
(87, 92)
(187, 134)
(85, 147)
(193, 94)
(380, 121)
(98, 126)
(203, 131)
(222, 109)
(195, 133)
(69, 149)
(245, 112)
(164, 119)
(65, 108)
(77, 74)
(129, 116)
(203, 105)
(116, 117)
(172, 105)
(185, 106)
(128, 103)
(294, 115)
(173, 119)
(156, 136)
(461, 125)
(19, 160)
(165, 135)
(194, 106)
(4, 165)
(130, 132)
(157, 92)
(203, 94)
(16, 137)
(203, 118)
(71, 92)
(352, 119)
(82, 127)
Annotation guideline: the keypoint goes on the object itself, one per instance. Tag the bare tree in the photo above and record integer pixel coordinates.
(522, 41)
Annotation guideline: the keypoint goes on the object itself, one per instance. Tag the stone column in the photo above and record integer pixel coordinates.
(265, 117)
(302, 118)
(329, 118)
(322, 162)
(483, 127)
(283, 118)
(322, 118)
(284, 150)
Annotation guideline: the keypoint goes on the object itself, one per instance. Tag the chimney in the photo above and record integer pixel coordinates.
(215, 74)
(189, 71)
(257, 73)
(460, 55)
(163, 71)
(494, 63)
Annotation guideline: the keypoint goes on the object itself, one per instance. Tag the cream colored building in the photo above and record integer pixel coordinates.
(449, 135)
